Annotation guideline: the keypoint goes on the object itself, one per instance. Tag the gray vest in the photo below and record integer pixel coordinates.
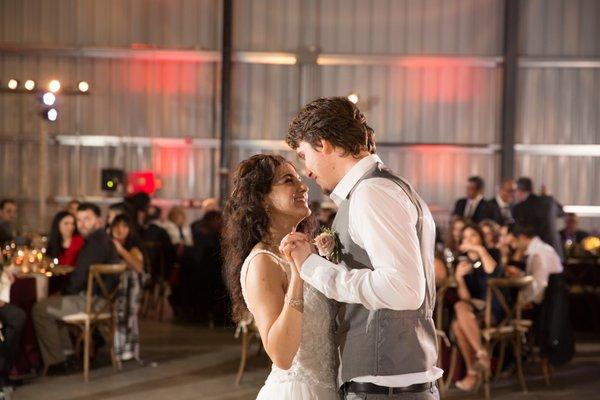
(384, 341)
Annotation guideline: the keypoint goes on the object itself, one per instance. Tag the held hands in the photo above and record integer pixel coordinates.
(512, 272)
(296, 248)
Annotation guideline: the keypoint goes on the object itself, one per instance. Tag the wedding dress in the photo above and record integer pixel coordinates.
(313, 374)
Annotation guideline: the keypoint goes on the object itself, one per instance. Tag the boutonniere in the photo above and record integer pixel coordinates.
(329, 246)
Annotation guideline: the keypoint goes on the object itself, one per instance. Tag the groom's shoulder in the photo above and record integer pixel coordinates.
(377, 187)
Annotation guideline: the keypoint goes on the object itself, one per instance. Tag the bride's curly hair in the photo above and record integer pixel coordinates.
(247, 222)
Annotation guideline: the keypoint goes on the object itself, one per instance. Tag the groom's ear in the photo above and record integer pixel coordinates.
(326, 147)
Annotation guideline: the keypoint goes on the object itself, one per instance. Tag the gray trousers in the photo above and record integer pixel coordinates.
(431, 394)
(53, 337)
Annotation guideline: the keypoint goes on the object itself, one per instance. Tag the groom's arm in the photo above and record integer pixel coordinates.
(383, 223)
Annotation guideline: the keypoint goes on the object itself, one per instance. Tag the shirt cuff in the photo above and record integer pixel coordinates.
(310, 266)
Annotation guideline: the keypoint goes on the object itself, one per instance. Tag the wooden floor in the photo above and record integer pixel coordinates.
(191, 362)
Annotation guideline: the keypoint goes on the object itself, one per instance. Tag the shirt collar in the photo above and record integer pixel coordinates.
(343, 188)
(501, 202)
(477, 199)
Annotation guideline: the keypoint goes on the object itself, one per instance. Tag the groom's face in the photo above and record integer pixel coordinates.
(319, 165)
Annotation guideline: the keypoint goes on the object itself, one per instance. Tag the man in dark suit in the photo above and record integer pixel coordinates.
(474, 206)
(538, 212)
(570, 232)
(98, 249)
(499, 208)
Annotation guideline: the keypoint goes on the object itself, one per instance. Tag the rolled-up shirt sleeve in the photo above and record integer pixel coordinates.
(383, 223)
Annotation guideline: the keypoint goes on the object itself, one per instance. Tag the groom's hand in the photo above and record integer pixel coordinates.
(296, 246)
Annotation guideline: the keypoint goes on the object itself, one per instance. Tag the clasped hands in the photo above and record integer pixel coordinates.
(296, 247)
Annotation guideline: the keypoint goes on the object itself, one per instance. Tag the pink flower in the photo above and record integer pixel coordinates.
(325, 243)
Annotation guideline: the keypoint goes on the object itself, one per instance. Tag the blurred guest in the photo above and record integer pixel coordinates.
(542, 260)
(475, 267)
(153, 232)
(538, 212)
(499, 208)
(510, 255)
(571, 234)
(118, 209)
(98, 249)
(472, 207)
(454, 235)
(13, 322)
(138, 204)
(326, 214)
(203, 269)
(73, 206)
(64, 242)
(491, 233)
(130, 249)
(8, 217)
(179, 232)
(210, 204)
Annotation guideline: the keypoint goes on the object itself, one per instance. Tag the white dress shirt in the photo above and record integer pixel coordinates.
(382, 221)
(542, 260)
(504, 208)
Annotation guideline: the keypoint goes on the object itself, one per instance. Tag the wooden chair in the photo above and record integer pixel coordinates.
(155, 291)
(247, 328)
(512, 328)
(99, 313)
(445, 381)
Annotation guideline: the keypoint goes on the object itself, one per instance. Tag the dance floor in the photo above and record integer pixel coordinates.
(188, 362)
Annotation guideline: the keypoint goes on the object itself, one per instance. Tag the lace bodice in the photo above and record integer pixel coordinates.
(314, 362)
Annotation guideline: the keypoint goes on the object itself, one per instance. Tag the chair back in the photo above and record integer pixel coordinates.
(96, 276)
(512, 312)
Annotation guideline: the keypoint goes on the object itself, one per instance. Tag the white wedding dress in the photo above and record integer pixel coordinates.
(312, 375)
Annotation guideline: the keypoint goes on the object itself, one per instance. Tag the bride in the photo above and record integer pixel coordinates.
(295, 321)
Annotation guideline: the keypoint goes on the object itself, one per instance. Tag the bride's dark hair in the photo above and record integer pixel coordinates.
(247, 222)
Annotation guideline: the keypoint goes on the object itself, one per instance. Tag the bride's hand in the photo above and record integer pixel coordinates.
(296, 247)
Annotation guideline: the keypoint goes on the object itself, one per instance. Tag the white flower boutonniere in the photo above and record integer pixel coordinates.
(329, 245)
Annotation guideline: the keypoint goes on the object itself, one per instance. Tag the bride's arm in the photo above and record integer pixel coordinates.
(279, 324)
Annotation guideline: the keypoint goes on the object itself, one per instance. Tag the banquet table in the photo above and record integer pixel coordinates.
(28, 288)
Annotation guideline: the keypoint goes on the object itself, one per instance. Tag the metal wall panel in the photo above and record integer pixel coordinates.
(427, 104)
(127, 97)
(573, 180)
(560, 28)
(467, 27)
(162, 23)
(559, 106)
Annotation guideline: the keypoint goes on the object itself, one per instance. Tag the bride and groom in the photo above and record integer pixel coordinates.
(356, 323)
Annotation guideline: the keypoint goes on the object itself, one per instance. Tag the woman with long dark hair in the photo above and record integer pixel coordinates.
(64, 242)
(477, 264)
(295, 321)
(131, 251)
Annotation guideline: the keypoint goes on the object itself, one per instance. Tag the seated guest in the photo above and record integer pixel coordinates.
(8, 217)
(130, 249)
(571, 234)
(64, 242)
(474, 206)
(73, 206)
(538, 212)
(510, 255)
(179, 232)
(542, 260)
(499, 208)
(475, 267)
(13, 321)
(117, 209)
(153, 232)
(491, 233)
(454, 235)
(98, 249)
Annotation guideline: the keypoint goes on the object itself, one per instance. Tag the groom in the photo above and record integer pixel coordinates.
(385, 280)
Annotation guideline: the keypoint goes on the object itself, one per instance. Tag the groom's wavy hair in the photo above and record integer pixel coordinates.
(335, 119)
(247, 221)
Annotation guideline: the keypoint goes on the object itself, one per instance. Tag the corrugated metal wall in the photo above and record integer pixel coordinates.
(429, 99)
(557, 103)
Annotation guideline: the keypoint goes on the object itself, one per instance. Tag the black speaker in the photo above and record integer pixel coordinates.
(112, 179)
